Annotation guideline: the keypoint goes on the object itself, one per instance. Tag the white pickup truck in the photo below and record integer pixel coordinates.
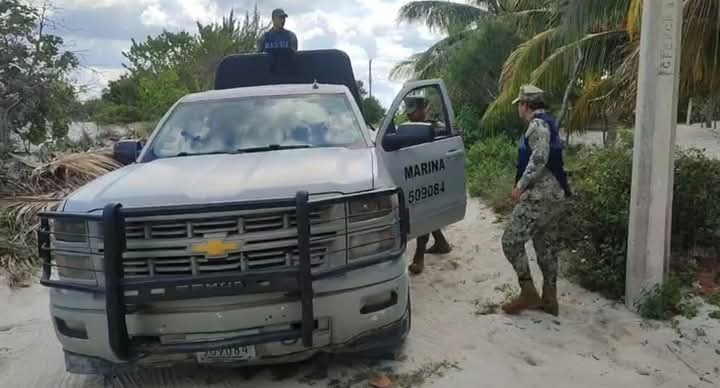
(259, 223)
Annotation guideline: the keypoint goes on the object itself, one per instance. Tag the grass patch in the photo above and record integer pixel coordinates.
(491, 171)
(668, 300)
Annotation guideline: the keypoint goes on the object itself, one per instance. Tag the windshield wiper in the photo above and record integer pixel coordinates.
(273, 147)
(204, 153)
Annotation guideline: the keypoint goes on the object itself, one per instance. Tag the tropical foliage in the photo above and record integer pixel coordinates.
(584, 53)
(163, 68)
(34, 92)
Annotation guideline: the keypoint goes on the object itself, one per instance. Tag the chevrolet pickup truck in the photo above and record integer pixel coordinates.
(259, 223)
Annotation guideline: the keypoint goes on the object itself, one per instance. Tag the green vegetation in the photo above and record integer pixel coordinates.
(165, 67)
(34, 91)
(594, 230)
(584, 54)
(668, 300)
(491, 171)
(371, 107)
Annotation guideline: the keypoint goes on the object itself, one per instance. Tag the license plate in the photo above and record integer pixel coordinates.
(230, 354)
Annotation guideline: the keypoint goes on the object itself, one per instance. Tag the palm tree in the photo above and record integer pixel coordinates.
(458, 21)
(592, 49)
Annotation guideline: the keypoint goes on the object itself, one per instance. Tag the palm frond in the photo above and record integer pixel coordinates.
(429, 63)
(525, 58)
(580, 17)
(558, 68)
(405, 69)
(634, 16)
(82, 166)
(700, 60)
(445, 16)
(516, 71)
(592, 102)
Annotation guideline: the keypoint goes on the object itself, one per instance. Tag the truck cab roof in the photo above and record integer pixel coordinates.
(265, 90)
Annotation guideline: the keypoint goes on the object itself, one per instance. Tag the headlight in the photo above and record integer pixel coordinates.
(73, 231)
(371, 243)
(370, 207)
(74, 267)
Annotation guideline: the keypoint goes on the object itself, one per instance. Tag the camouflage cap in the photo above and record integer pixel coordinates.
(530, 93)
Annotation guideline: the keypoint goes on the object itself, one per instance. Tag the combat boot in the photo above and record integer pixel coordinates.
(549, 300)
(528, 299)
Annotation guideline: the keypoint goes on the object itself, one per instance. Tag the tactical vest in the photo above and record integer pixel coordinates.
(276, 40)
(555, 161)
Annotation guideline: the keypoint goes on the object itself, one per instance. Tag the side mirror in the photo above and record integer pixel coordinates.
(408, 135)
(127, 151)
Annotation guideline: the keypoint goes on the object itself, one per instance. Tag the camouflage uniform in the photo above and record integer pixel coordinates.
(535, 215)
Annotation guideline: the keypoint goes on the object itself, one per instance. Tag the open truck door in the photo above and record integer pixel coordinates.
(421, 147)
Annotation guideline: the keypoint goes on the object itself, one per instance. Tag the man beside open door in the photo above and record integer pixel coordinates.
(425, 156)
(417, 110)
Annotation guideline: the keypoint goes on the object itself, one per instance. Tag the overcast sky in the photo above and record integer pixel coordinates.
(99, 30)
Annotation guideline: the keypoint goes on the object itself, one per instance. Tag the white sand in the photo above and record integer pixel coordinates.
(594, 343)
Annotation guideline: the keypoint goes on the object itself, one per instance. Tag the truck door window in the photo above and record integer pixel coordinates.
(228, 125)
(423, 105)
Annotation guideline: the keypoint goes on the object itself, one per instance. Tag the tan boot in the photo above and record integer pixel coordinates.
(549, 300)
(528, 299)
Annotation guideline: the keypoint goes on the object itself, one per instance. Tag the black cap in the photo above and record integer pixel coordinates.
(278, 12)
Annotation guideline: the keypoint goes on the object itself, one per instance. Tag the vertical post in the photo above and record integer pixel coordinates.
(689, 112)
(302, 217)
(653, 164)
(113, 248)
(44, 246)
(370, 77)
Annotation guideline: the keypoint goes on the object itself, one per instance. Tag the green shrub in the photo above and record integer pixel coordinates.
(596, 225)
(594, 229)
(491, 171)
(668, 300)
(696, 202)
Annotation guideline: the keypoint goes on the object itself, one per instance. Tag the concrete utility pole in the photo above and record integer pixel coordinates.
(653, 155)
(370, 77)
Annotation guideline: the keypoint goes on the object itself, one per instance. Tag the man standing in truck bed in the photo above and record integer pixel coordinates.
(278, 38)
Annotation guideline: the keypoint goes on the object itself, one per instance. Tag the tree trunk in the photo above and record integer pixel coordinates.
(4, 129)
(611, 138)
(566, 96)
(689, 112)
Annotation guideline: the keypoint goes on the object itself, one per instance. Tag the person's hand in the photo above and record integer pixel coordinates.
(515, 195)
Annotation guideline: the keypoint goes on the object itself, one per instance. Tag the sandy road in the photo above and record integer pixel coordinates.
(457, 339)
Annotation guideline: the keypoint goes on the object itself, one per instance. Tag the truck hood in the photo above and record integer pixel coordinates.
(222, 178)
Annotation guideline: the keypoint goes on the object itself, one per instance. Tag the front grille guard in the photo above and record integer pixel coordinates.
(120, 292)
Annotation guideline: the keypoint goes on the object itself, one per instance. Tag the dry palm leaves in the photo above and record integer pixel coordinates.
(25, 192)
(73, 170)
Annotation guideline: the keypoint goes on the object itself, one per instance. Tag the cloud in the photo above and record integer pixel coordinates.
(100, 29)
(153, 15)
(92, 80)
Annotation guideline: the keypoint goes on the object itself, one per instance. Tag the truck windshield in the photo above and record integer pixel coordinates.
(259, 122)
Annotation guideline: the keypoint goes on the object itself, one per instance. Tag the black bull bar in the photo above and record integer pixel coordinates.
(121, 292)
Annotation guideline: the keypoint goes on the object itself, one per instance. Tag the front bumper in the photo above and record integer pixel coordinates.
(345, 324)
(280, 313)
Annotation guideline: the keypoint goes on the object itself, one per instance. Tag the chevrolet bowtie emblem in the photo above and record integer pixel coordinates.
(216, 248)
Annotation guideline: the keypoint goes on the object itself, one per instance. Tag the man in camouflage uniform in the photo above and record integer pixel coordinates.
(540, 189)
